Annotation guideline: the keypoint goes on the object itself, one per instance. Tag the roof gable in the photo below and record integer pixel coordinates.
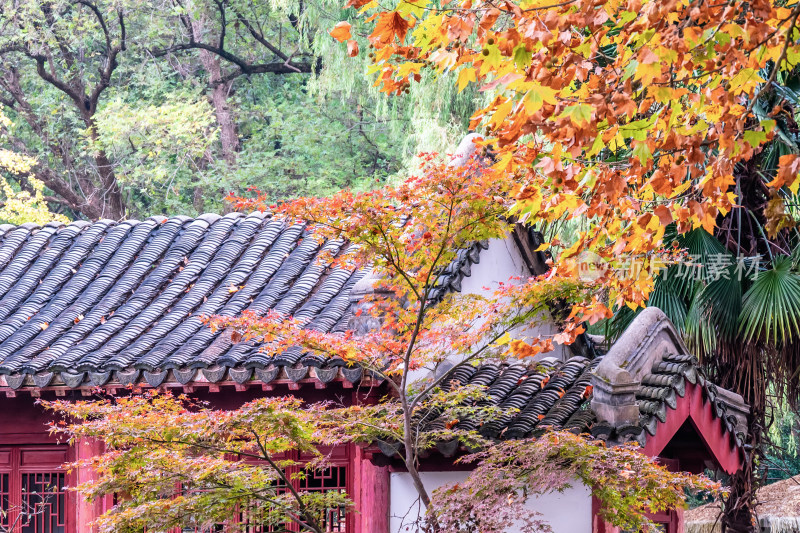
(654, 389)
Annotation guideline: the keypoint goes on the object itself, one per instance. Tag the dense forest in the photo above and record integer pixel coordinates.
(115, 109)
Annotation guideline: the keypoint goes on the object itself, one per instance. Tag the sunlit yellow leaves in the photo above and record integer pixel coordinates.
(465, 76)
(537, 96)
(578, 114)
(15, 163)
(745, 80)
(412, 7)
(490, 59)
(409, 68)
(501, 112)
(341, 32)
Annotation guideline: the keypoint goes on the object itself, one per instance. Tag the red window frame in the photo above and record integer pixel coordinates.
(37, 467)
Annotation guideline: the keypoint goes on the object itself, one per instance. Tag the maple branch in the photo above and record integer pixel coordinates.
(781, 58)
(263, 456)
(411, 452)
(286, 482)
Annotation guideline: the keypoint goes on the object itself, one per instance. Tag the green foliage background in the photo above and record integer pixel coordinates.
(299, 134)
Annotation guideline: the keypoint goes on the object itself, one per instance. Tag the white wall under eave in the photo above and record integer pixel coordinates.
(501, 262)
(566, 512)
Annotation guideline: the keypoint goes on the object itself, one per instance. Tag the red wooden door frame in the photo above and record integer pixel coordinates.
(19, 461)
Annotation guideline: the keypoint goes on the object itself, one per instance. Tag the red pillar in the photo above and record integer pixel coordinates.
(371, 494)
(87, 512)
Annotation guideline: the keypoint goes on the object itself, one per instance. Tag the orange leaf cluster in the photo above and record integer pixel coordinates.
(627, 114)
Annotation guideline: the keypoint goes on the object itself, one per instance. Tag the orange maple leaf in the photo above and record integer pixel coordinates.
(341, 32)
(390, 24)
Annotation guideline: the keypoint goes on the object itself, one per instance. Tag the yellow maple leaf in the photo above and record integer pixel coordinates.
(536, 97)
(465, 76)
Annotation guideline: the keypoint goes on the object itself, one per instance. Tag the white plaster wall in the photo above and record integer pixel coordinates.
(499, 263)
(567, 512)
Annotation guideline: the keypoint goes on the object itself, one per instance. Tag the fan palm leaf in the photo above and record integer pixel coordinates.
(771, 306)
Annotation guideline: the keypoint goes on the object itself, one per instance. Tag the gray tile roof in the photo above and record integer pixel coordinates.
(552, 394)
(104, 302)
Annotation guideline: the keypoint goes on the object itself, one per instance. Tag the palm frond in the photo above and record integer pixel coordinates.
(721, 303)
(669, 296)
(771, 307)
(700, 335)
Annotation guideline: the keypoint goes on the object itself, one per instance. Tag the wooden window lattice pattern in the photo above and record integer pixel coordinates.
(44, 502)
(33, 498)
(333, 478)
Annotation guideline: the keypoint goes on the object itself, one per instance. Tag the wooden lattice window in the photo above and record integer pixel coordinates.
(333, 478)
(32, 490)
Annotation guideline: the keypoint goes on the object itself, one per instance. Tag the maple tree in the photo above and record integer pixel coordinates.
(408, 235)
(181, 461)
(629, 118)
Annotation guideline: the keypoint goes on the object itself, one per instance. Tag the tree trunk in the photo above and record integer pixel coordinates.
(228, 134)
(198, 202)
(738, 509)
(111, 204)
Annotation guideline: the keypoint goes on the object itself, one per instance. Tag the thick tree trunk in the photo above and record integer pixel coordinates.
(228, 134)
(739, 507)
(106, 199)
(110, 203)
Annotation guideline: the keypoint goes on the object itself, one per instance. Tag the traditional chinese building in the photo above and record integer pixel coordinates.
(118, 305)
